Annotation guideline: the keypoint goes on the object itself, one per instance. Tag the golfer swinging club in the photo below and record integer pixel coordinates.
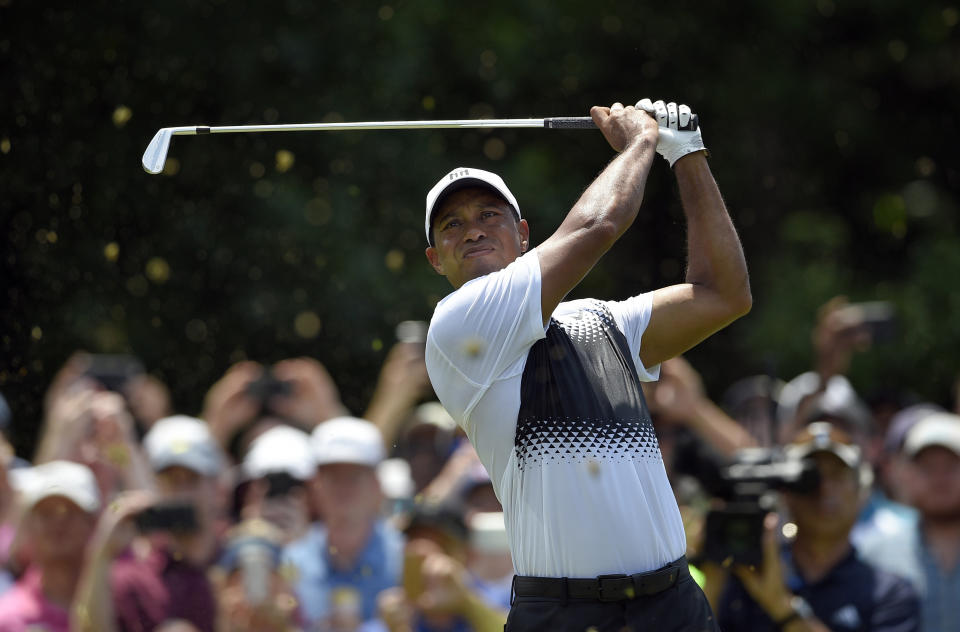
(549, 392)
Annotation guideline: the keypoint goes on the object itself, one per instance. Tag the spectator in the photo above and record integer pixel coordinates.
(146, 397)
(402, 383)
(439, 593)
(253, 594)
(274, 476)
(250, 398)
(426, 440)
(816, 582)
(929, 554)
(60, 501)
(696, 437)
(752, 402)
(345, 561)
(489, 563)
(678, 399)
(163, 576)
(892, 461)
(825, 394)
(94, 427)
(839, 333)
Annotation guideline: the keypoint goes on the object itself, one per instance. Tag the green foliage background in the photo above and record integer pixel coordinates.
(832, 128)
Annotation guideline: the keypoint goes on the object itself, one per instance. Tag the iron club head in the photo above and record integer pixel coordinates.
(155, 156)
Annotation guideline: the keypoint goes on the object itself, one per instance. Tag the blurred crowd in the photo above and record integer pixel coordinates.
(276, 508)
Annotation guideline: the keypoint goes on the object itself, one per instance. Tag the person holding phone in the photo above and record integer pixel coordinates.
(254, 594)
(274, 476)
(164, 576)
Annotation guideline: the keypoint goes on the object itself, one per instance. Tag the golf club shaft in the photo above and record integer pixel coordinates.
(584, 122)
(155, 156)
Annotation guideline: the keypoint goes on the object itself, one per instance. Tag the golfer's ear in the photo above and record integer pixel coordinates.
(434, 259)
(524, 229)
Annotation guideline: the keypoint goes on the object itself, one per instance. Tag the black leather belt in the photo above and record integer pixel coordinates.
(604, 587)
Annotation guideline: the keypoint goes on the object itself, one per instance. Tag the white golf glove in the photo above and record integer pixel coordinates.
(674, 143)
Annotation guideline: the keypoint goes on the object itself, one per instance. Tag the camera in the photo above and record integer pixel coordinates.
(265, 388)
(175, 517)
(748, 488)
(113, 371)
(281, 484)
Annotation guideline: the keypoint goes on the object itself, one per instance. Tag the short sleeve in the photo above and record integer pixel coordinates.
(632, 317)
(897, 606)
(479, 332)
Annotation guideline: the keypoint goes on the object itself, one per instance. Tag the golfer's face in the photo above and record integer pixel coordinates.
(475, 234)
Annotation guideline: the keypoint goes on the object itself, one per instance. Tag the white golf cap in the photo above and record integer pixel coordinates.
(347, 440)
(461, 178)
(936, 429)
(183, 441)
(70, 480)
(280, 449)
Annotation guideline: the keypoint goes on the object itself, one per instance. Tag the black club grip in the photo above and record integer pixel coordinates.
(569, 122)
(585, 122)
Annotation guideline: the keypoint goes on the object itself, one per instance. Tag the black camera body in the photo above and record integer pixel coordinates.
(281, 484)
(268, 386)
(734, 532)
(113, 371)
(175, 517)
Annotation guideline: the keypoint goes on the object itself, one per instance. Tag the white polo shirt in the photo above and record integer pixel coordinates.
(581, 497)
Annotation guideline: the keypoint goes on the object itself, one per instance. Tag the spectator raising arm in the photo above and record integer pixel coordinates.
(93, 609)
(679, 397)
(403, 382)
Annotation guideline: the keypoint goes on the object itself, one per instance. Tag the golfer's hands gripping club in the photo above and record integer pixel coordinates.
(622, 126)
(674, 142)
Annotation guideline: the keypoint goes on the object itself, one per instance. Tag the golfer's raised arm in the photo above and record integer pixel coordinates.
(605, 210)
(717, 288)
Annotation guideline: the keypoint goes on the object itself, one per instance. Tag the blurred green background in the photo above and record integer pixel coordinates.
(832, 128)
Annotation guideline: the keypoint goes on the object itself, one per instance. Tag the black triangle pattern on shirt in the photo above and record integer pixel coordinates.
(580, 396)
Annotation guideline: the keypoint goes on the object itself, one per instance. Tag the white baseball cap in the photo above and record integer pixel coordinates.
(184, 441)
(280, 449)
(347, 440)
(460, 178)
(936, 429)
(70, 480)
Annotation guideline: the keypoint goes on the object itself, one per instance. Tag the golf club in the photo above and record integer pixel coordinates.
(156, 154)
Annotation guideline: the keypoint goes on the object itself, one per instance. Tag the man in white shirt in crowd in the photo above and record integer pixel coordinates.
(549, 392)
